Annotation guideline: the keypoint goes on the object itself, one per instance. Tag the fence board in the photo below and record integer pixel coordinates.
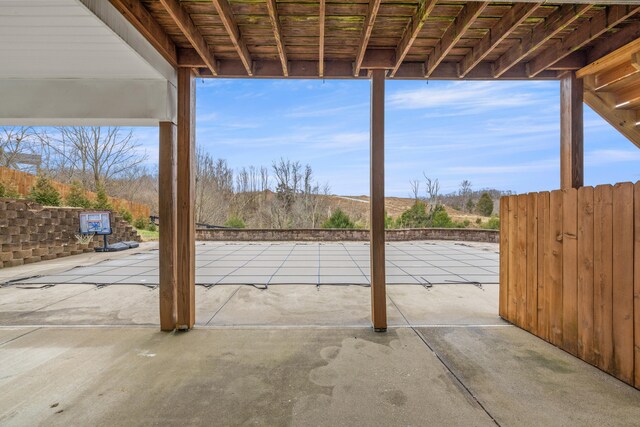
(636, 285)
(585, 274)
(504, 258)
(570, 270)
(513, 259)
(24, 181)
(571, 263)
(532, 263)
(602, 274)
(623, 352)
(555, 267)
(543, 270)
(521, 278)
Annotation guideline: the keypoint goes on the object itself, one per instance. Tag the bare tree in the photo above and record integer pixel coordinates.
(214, 188)
(415, 189)
(299, 200)
(20, 149)
(465, 194)
(465, 188)
(433, 189)
(95, 154)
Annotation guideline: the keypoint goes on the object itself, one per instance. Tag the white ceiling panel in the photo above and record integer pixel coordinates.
(64, 39)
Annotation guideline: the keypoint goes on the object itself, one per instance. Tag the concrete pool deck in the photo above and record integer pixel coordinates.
(287, 355)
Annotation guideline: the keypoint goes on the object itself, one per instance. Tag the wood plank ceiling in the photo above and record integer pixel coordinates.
(612, 89)
(434, 39)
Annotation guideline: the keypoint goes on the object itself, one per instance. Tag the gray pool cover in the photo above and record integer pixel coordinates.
(419, 263)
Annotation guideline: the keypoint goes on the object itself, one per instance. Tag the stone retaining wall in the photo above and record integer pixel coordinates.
(333, 235)
(30, 232)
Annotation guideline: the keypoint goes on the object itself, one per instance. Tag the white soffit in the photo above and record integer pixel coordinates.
(65, 39)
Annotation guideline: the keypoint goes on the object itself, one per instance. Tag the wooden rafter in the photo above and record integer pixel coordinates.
(344, 70)
(369, 20)
(619, 73)
(412, 31)
(453, 34)
(321, 23)
(588, 31)
(186, 25)
(621, 54)
(226, 15)
(277, 34)
(625, 121)
(503, 28)
(141, 19)
(627, 98)
(630, 33)
(541, 33)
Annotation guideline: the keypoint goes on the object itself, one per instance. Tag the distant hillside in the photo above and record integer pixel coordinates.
(357, 207)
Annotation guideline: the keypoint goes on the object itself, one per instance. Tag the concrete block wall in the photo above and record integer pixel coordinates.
(346, 235)
(30, 232)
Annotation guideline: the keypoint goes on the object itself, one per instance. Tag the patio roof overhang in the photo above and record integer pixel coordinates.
(426, 39)
(79, 62)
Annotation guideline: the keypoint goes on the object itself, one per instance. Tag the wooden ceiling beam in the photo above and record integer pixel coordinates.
(588, 31)
(277, 34)
(539, 35)
(625, 121)
(627, 38)
(369, 21)
(189, 58)
(573, 62)
(614, 57)
(141, 19)
(379, 59)
(411, 32)
(226, 15)
(607, 78)
(627, 98)
(321, 22)
(188, 28)
(344, 70)
(514, 17)
(453, 34)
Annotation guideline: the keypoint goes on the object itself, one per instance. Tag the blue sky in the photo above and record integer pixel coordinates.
(502, 135)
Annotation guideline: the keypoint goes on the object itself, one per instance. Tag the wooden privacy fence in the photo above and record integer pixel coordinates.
(570, 272)
(23, 182)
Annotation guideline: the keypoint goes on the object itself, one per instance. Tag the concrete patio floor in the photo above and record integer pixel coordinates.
(77, 354)
(458, 376)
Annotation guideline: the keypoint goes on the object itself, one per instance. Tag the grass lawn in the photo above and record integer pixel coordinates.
(148, 236)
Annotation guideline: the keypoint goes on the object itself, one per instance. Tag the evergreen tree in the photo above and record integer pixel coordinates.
(76, 197)
(234, 222)
(339, 219)
(485, 205)
(126, 215)
(141, 223)
(414, 217)
(9, 191)
(102, 200)
(44, 193)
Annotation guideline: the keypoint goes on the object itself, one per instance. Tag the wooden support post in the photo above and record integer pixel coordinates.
(168, 237)
(378, 291)
(571, 132)
(186, 200)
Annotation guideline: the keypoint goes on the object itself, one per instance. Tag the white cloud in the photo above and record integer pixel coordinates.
(318, 111)
(605, 157)
(536, 166)
(464, 97)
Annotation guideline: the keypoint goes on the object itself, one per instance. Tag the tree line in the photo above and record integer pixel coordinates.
(284, 194)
